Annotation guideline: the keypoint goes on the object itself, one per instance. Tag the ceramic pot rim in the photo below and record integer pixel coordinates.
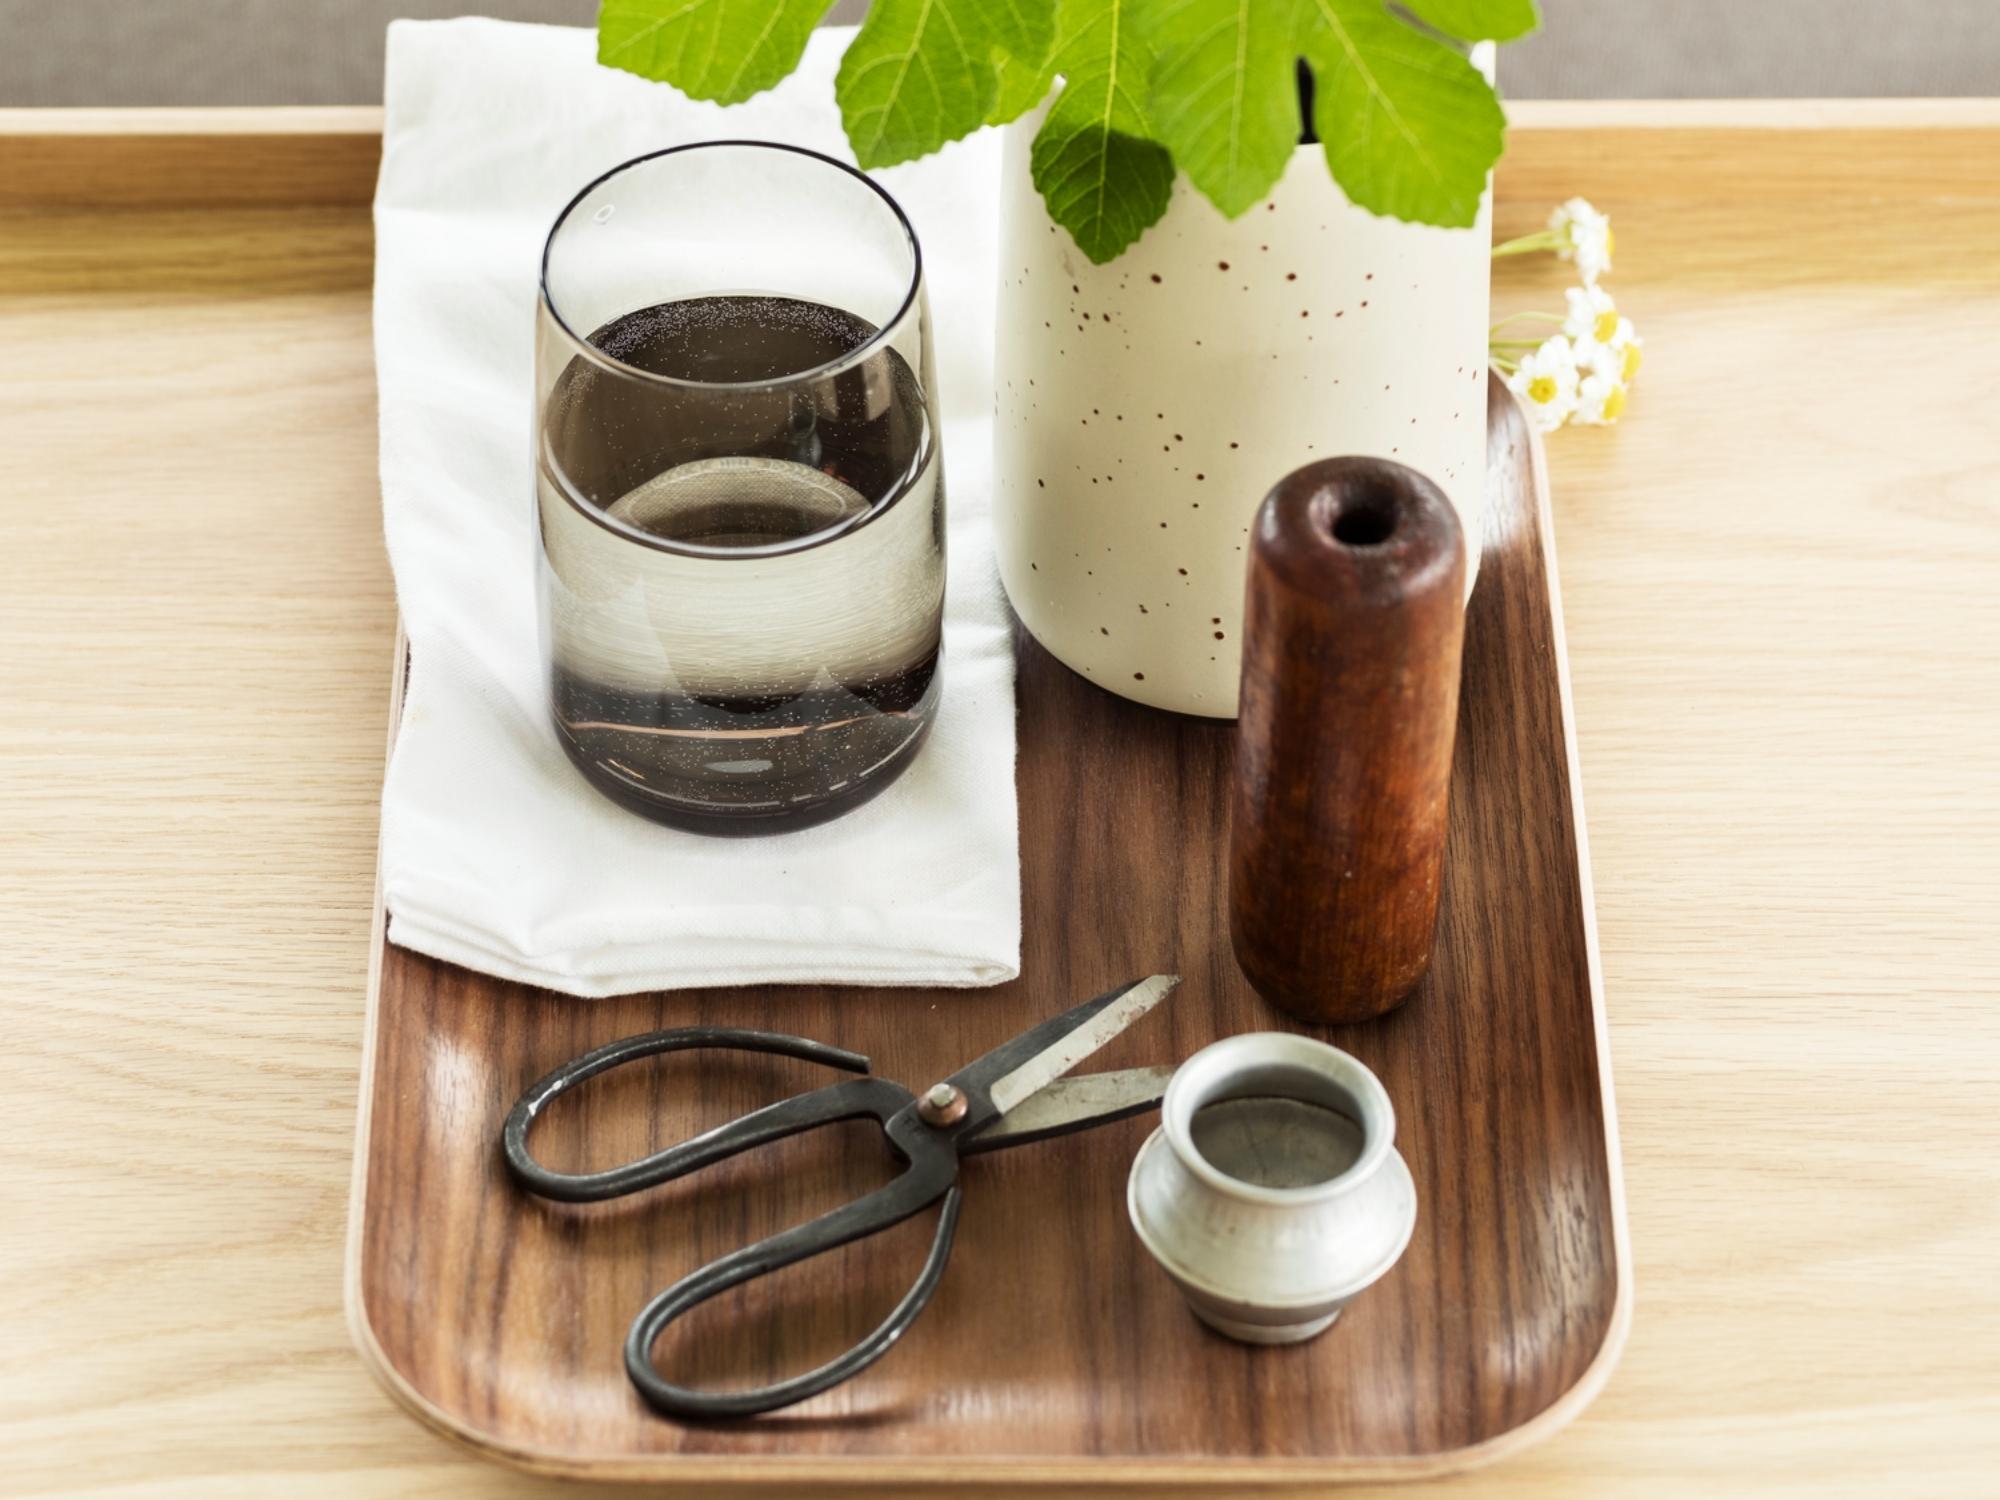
(1268, 1064)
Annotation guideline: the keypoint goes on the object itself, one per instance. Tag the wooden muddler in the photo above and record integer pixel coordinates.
(1352, 628)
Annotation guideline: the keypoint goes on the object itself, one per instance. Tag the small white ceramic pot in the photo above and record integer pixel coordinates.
(1272, 1192)
(1145, 407)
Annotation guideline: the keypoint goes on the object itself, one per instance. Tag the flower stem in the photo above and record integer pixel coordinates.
(1528, 243)
(1517, 317)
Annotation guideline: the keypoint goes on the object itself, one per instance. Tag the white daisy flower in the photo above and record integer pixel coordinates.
(1593, 316)
(1595, 323)
(1600, 396)
(1626, 351)
(1582, 234)
(1546, 381)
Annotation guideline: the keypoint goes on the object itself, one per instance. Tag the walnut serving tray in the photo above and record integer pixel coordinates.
(1054, 1350)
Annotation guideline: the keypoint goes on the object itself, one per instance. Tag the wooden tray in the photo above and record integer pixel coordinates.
(1054, 1350)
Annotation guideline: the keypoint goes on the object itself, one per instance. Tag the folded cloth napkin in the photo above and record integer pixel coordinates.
(495, 853)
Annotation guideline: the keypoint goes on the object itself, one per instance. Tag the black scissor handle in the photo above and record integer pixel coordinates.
(841, 1101)
(931, 1175)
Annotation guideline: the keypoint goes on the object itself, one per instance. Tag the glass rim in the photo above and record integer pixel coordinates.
(820, 371)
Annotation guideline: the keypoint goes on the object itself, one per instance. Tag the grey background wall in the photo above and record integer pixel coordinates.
(81, 52)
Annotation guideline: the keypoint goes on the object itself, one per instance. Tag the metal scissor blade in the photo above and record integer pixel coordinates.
(1076, 1103)
(1023, 1067)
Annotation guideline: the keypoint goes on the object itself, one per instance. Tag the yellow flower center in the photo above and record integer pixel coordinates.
(1606, 327)
(1542, 389)
(1614, 404)
(1631, 365)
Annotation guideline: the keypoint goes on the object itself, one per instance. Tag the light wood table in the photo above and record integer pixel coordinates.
(1782, 583)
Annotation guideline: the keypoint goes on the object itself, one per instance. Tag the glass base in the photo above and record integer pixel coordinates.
(728, 820)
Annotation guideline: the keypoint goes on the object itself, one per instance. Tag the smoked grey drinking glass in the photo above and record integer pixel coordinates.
(739, 486)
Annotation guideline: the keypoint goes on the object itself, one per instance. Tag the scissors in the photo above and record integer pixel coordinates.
(1013, 1095)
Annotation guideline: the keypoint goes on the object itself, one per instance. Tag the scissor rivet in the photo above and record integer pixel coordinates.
(941, 1105)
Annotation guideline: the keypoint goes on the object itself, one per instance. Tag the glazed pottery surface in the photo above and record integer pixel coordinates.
(1270, 1227)
(1146, 406)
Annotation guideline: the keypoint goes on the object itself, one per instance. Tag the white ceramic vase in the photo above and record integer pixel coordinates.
(1146, 406)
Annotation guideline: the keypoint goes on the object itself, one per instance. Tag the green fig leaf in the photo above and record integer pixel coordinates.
(1094, 161)
(1409, 126)
(722, 50)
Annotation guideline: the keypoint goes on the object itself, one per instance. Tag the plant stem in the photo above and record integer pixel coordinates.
(1542, 240)
(1517, 317)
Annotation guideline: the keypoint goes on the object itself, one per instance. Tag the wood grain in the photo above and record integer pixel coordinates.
(1785, 651)
(1766, 150)
(1052, 1346)
(1352, 629)
(188, 158)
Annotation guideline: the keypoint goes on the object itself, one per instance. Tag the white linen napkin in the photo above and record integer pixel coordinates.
(495, 853)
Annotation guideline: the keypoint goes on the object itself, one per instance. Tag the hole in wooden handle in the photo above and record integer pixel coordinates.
(1368, 523)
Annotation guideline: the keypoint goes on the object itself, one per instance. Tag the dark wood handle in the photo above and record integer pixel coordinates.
(1353, 625)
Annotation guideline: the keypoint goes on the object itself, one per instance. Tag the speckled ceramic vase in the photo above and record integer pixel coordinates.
(1145, 407)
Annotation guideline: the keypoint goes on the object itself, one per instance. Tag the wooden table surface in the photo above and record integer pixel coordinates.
(1782, 584)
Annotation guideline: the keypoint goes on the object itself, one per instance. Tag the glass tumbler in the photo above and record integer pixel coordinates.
(740, 492)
